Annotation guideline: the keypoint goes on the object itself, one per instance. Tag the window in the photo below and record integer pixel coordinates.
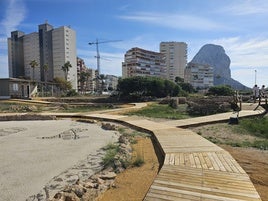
(15, 87)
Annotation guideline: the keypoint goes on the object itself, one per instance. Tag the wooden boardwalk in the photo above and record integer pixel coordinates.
(193, 168)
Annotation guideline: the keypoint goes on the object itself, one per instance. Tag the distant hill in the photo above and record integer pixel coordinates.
(215, 56)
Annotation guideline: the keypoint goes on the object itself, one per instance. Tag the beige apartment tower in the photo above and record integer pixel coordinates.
(141, 62)
(175, 57)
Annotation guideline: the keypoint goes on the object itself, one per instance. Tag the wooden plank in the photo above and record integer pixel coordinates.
(224, 158)
(192, 161)
(197, 160)
(208, 161)
(182, 161)
(213, 162)
(206, 190)
(177, 159)
(202, 161)
(218, 161)
(200, 195)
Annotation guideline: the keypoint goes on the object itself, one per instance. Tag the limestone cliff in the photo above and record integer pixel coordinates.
(215, 56)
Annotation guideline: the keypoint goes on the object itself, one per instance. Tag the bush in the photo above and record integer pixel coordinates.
(109, 157)
(138, 161)
(208, 106)
(140, 87)
(221, 90)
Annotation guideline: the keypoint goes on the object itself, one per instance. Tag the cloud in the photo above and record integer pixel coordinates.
(175, 21)
(247, 7)
(246, 52)
(14, 15)
(247, 55)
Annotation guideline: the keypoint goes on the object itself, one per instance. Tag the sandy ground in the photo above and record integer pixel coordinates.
(134, 182)
(32, 154)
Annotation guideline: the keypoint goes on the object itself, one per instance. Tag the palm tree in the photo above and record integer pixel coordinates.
(66, 67)
(33, 64)
(83, 80)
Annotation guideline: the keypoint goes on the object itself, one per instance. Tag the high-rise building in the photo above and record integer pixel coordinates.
(15, 54)
(50, 48)
(199, 75)
(31, 52)
(140, 62)
(176, 58)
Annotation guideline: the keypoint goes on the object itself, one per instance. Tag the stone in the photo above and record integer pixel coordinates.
(109, 175)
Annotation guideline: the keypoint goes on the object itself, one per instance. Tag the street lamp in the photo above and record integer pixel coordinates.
(255, 77)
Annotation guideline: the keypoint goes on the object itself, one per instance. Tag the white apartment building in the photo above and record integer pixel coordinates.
(175, 57)
(140, 62)
(31, 52)
(64, 49)
(199, 75)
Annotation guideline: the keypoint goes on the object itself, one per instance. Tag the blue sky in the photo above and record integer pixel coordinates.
(240, 26)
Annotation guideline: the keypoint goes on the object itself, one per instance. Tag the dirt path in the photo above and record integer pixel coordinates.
(134, 183)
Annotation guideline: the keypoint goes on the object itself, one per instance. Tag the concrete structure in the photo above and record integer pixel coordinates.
(176, 58)
(15, 88)
(199, 75)
(140, 62)
(49, 47)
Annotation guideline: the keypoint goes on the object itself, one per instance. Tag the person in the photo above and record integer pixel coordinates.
(262, 91)
(256, 92)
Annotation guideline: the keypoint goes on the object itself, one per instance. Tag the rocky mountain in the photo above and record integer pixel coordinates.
(215, 56)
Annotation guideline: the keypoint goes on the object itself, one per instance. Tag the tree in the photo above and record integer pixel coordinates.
(221, 90)
(147, 87)
(66, 67)
(33, 64)
(82, 79)
(62, 84)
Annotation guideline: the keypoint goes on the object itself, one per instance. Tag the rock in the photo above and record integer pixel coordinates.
(58, 195)
(90, 185)
(215, 56)
(109, 175)
(108, 126)
(100, 181)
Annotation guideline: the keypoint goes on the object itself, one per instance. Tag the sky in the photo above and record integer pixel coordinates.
(239, 26)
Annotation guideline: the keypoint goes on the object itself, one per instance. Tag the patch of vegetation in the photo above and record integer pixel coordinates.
(258, 144)
(137, 88)
(257, 126)
(162, 111)
(254, 130)
(139, 161)
(109, 157)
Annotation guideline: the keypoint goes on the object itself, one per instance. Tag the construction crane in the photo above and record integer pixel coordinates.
(97, 49)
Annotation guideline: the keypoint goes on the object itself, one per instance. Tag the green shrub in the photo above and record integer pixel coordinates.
(109, 157)
(138, 161)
